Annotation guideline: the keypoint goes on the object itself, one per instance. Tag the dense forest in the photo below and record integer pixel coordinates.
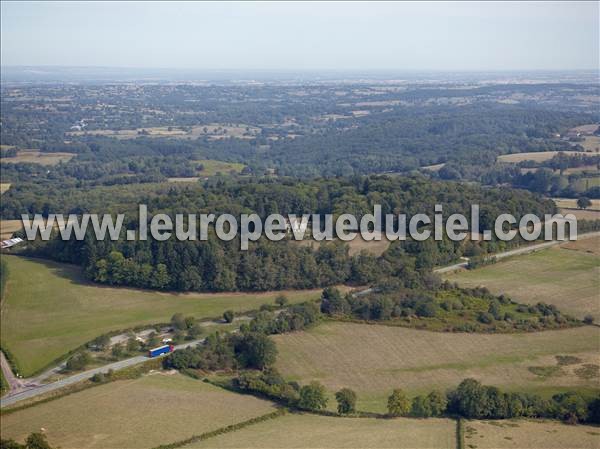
(219, 265)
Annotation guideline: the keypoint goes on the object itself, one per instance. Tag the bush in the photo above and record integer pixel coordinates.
(312, 397)
(228, 316)
(426, 309)
(281, 300)
(99, 378)
(485, 317)
(178, 321)
(588, 319)
(78, 362)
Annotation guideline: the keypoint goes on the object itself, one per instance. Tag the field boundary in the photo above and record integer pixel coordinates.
(460, 433)
(223, 430)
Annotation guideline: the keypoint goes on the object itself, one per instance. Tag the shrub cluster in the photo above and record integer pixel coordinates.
(452, 308)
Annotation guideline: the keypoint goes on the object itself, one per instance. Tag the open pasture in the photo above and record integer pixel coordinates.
(434, 168)
(591, 143)
(303, 431)
(568, 279)
(37, 157)
(538, 156)
(7, 227)
(374, 359)
(355, 246)
(50, 309)
(519, 434)
(211, 167)
(571, 203)
(156, 409)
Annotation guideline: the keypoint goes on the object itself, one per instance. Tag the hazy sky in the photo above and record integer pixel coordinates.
(295, 36)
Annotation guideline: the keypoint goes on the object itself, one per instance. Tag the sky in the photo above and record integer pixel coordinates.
(447, 36)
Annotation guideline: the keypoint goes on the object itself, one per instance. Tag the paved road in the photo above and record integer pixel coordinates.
(516, 252)
(11, 379)
(40, 389)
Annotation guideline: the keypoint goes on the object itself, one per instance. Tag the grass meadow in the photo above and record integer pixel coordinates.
(518, 434)
(374, 359)
(537, 156)
(303, 431)
(567, 276)
(49, 309)
(155, 409)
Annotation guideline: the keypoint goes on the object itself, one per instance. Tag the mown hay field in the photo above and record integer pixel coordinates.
(211, 167)
(566, 277)
(374, 359)
(303, 431)
(537, 156)
(355, 246)
(7, 227)
(519, 434)
(37, 157)
(591, 143)
(141, 413)
(50, 308)
(571, 203)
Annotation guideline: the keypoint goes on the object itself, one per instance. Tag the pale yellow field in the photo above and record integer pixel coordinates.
(7, 227)
(4, 187)
(591, 143)
(373, 247)
(374, 359)
(37, 157)
(585, 168)
(520, 434)
(435, 167)
(141, 413)
(539, 156)
(582, 214)
(571, 203)
(310, 431)
(192, 179)
(590, 128)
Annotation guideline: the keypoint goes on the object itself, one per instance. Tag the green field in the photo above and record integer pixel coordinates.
(566, 277)
(50, 309)
(374, 359)
(141, 413)
(212, 167)
(310, 431)
(517, 434)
